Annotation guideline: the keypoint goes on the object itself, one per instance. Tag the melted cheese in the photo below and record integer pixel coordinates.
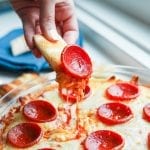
(61, 135)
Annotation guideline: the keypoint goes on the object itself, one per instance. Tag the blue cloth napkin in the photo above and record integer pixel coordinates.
(24, 62)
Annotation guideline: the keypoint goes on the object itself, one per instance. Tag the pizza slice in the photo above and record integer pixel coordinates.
(72, 64)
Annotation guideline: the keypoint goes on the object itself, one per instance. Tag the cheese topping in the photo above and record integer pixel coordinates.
(62, 133)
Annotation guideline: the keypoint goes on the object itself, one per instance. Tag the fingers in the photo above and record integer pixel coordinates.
(71, 37)
(42, 20)
(70, 30)
(30, 29)
(65, 14)
(47, 19)
(37, 28)
(29, 32)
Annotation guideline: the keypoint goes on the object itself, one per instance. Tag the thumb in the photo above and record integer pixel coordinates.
(47, 19)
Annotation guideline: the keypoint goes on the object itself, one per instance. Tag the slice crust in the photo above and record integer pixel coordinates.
(50, 50)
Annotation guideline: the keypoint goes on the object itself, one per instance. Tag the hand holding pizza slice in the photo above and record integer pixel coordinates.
(71, 63)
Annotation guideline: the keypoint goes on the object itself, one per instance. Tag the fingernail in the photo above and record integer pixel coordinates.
(54, 35)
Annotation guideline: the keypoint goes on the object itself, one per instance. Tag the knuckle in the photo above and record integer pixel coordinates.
(47, 22)
(48, 19)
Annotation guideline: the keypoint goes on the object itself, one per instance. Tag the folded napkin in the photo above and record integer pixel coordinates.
(24, 62)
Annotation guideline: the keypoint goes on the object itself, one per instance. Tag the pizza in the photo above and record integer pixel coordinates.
(114, 114)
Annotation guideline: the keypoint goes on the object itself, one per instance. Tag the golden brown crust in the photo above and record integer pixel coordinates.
(5, 88)
(50, 50)
(134, 79)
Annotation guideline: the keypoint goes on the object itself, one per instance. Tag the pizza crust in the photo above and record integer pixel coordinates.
(5, 88)
(50, 50)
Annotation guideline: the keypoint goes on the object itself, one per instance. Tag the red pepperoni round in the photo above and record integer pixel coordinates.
(71, 97)
(122, 91)
(146, 112)
(114, 113)
(24, 135)
(76, 61)
(104, 140)
(39, 111)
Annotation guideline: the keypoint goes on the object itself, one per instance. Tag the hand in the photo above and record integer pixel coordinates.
(47, 17)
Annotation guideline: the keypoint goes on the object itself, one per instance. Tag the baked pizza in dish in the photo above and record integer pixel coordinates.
(114, 114)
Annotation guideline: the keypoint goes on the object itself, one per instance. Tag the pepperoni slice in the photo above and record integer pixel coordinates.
(76, 61)
(39, 111)
(71, 97)
(114, 113)
(146, 112)
(24, 135)
(122, 91)
(104, 140)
